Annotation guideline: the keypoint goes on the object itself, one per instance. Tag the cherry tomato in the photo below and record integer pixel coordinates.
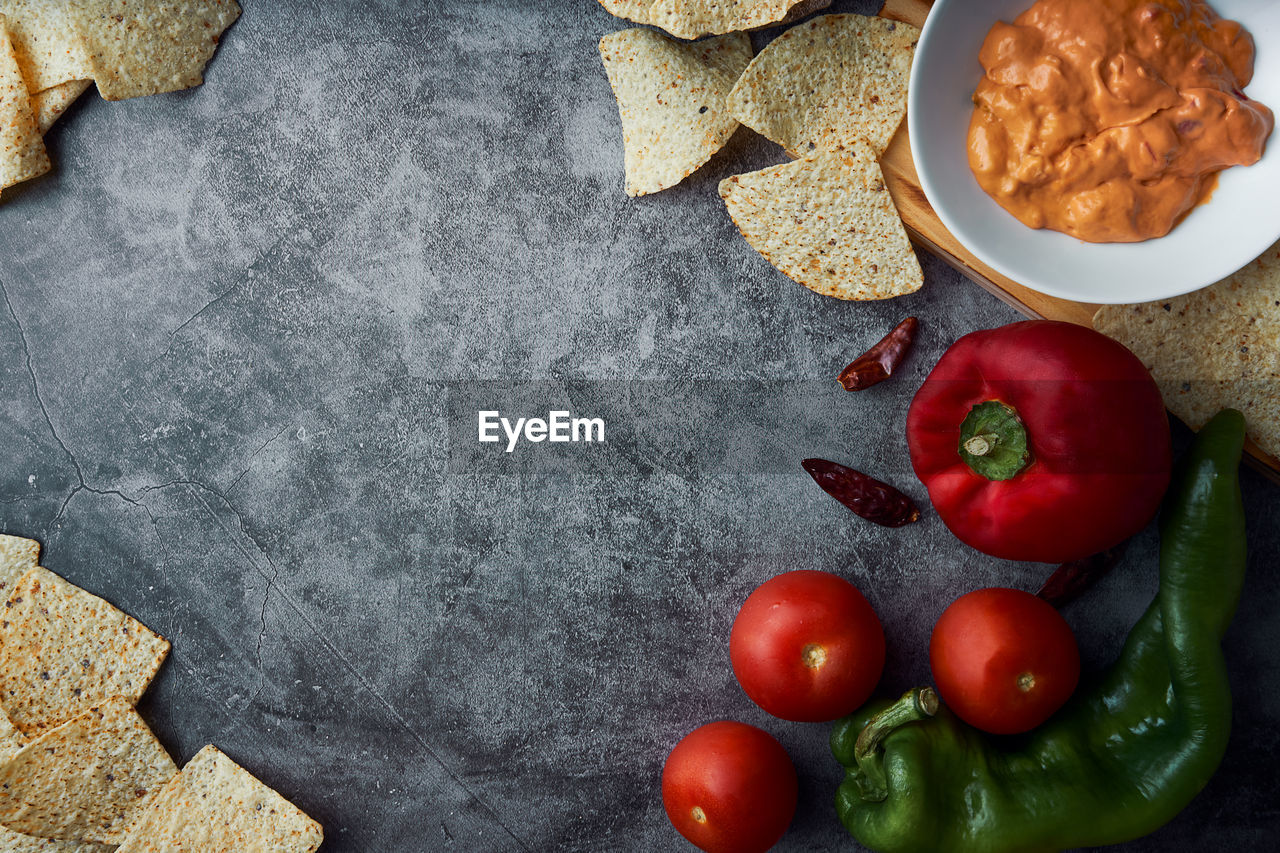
(806, 646)
(729, 788)
(1003, 659)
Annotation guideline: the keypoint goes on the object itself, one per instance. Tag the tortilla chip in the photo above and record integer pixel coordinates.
(146, 47)
(671, 97)
(215, 806)
(828, 222)
(17, 557)
(1212, 349)
(50, 104)
(631, 10)
(63, 651)
(86, 780)
(22, 154)
(828, 83)
(689, 19)
(48, 45)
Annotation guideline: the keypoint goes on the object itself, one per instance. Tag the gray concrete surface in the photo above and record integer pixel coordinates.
(241, 330)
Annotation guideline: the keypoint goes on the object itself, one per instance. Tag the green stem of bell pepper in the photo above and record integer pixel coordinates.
(1124, 756)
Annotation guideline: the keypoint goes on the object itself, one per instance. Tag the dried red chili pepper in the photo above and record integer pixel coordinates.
(1071, 579)
(865, 496)
(878, 363)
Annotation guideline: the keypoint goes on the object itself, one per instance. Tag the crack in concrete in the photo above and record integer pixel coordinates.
(262, 255)
(35, 386)
(253, 456)
(82, 483)
(262, 618)
(270, 578)
(221, 496)
(335, 655)
(173, 336)
(115, 493)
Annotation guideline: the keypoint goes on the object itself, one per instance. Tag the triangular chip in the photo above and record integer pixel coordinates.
(1212, 349)
(690, 19)
(829, 82)
(22, 154)
(630, 10)
(145, 47)
(17, 557)
(50, 104)
(215, 806)
(828, 222)
(47, 43)
(63, 650)
(86, 780)
(671, 97)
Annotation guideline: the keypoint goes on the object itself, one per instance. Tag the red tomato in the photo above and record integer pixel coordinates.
(806, 646)
(730, 788)
(1004, 660)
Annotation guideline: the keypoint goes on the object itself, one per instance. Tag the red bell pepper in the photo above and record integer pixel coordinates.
(1040, 441)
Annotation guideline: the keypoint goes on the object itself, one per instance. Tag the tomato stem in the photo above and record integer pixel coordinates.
(814, 655)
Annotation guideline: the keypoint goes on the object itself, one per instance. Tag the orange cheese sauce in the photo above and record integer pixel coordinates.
(1110, 119)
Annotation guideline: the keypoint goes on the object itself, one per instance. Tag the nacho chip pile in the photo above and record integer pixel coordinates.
(831, 91)
(51, 50)
(80, 770)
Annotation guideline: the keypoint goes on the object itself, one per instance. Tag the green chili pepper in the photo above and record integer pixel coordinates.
(1118, 761)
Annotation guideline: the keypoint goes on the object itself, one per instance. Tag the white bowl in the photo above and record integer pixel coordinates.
(1237, 224)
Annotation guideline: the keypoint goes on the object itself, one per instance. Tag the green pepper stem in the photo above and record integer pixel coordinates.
(914, 706)
(993, 441)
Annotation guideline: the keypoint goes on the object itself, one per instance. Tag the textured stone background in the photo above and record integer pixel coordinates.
(233, 325)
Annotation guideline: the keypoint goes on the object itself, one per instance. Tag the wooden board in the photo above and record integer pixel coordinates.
(928, 232)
